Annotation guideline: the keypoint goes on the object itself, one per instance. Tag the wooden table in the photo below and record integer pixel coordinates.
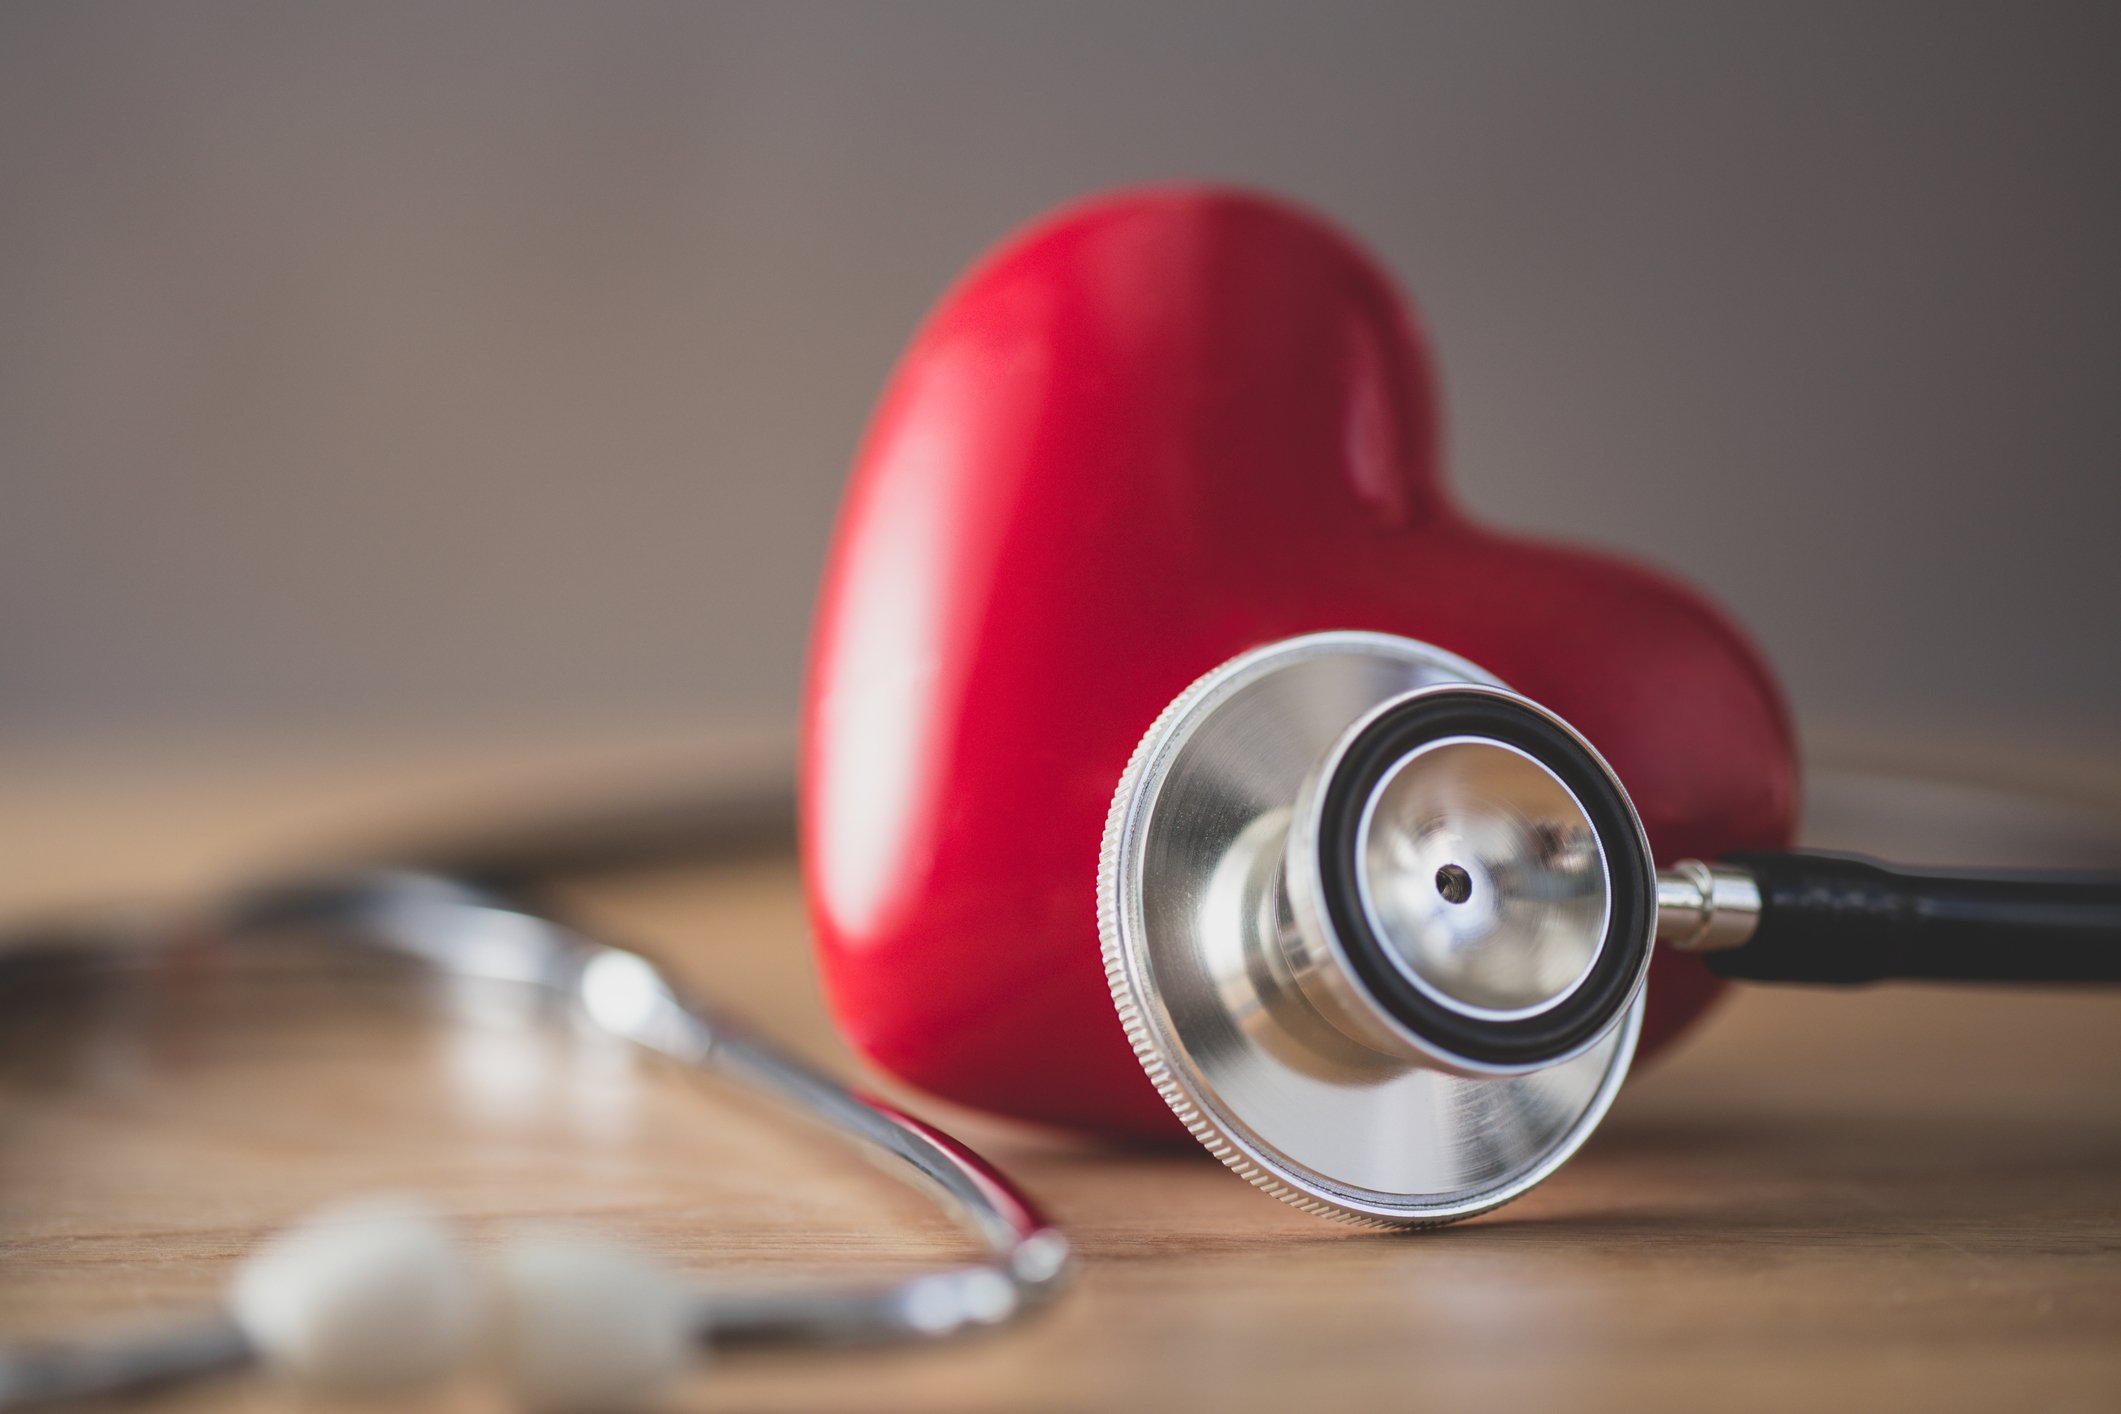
(1898, 1198)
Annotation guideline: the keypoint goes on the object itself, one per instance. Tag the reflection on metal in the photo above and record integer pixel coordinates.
(1483, 876)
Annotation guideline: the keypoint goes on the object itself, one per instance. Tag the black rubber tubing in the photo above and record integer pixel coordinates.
(1845, 919)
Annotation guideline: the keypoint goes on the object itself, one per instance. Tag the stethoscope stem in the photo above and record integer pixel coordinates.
(1808, 917)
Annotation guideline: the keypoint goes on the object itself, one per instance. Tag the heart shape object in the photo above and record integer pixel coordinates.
(1155, 430)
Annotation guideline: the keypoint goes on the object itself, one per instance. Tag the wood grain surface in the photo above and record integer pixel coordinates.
(1892, 1198)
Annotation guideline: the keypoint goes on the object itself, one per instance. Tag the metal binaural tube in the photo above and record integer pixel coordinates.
(468, 933)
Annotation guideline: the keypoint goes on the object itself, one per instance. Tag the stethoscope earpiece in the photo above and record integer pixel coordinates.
(582, 1323)
(362, 1297)
(378, 1296)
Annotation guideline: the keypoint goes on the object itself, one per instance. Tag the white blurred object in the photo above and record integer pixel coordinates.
(362, 1296)
(586, 1325)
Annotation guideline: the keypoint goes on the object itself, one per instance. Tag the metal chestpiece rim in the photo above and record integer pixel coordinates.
(1247, 954)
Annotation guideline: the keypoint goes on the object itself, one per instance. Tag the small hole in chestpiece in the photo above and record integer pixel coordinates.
(1454, 884)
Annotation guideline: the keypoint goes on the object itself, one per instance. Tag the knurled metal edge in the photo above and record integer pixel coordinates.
(1128, 1005)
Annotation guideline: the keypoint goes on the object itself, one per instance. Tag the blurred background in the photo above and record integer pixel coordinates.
(421, 420)
(487, 373)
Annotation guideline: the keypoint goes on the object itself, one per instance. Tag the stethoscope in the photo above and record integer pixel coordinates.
(1376, 927)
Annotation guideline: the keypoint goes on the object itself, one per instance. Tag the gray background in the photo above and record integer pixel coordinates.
(383, 365)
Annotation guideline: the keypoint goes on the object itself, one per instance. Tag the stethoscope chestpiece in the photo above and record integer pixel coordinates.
(1377, 926)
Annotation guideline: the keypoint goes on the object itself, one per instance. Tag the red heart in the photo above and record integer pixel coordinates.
(1158, 429)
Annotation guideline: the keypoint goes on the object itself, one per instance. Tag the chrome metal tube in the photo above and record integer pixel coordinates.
(1706, 907)
(468, 932)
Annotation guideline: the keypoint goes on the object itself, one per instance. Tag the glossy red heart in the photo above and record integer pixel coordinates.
(1155, 430)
